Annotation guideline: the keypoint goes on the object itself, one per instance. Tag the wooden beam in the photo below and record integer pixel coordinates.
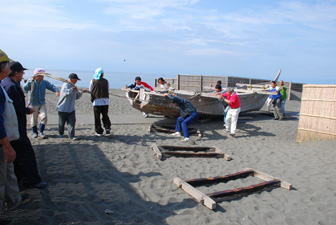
(193, 154)
(226, 156)
(199, 134)
(199, 196)
(290, 91)
(238, 192)
(266, 177)
(220, 179)
(150, 128)
(156, 151)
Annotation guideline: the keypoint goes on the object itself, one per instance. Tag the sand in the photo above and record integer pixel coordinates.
(119, 172)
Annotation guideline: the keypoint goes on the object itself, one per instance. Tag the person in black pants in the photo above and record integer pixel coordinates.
(99, 89)
(25, 166)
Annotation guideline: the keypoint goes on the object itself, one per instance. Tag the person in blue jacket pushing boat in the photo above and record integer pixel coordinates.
(188, 115)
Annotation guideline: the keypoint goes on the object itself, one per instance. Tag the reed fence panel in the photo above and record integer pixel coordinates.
(318, 113)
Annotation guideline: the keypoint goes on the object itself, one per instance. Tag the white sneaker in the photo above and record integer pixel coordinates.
(145, 114)
(176, 134)
(99, 135)
(186, 139)
(35, 135)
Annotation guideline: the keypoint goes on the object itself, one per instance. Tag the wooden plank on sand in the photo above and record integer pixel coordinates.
(266, 177)
(199, 196)
(226, 156)
(156, 151)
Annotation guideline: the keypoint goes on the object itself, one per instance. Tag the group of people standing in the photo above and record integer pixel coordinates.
(18, 167)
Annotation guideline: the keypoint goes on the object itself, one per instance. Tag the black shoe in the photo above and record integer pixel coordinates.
(275, 118)
(107, 131)
(41, 185)
(6, 222)
(233, 135)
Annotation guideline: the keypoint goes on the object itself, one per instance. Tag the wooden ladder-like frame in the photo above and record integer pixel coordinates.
(209, 200)
(188, 151)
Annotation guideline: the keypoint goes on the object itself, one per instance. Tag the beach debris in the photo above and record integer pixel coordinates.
(109, 212)
(210, 200)
(188, 151)
(170, 128)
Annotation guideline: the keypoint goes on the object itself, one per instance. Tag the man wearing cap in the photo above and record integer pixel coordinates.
(25, 166)
(37, 87)
(188, 115)
(231, 98)
(9, 190)
(99, 89)
(66, 106)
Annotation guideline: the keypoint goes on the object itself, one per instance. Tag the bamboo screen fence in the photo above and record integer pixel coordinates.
(318, 113)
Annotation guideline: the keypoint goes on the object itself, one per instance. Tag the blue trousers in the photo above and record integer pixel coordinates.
(183, 123)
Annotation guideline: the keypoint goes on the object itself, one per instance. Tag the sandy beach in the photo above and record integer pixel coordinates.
(120, 173)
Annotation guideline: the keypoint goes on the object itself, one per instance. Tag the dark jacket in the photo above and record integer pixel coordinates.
(15, 92)
(185, 106)
(99, 89)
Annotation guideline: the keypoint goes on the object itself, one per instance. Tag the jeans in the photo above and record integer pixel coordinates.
(184, 123)
(283, 102)
(70, 119)
(277, 110)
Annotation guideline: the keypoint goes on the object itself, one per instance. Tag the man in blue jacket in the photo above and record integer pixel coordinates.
(25, 166)
(37, 87)
(188, 115)
(276, 100)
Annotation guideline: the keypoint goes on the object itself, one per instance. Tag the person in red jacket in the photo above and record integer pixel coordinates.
(138, 84)
(231, 120)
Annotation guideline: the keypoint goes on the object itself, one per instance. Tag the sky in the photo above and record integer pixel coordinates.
(244, 38)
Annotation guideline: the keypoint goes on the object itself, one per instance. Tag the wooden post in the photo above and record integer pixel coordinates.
(156, 151)
(178, 82)
(201, 82)
(289, 92)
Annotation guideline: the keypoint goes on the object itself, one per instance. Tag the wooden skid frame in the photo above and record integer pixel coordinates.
(209, 200)
(188, 151)
(166, 128)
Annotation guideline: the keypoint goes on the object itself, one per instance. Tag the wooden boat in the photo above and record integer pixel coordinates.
(205, 104)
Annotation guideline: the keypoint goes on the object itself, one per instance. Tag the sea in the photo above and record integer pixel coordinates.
(117, 80)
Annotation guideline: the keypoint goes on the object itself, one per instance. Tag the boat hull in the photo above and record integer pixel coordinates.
(205, 104)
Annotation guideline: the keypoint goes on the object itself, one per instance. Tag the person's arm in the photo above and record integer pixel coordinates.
(7, 148)
(78, 94)
(147, 86)
(52, 87)
(27, 85)
(131, 86)
(232, 99)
